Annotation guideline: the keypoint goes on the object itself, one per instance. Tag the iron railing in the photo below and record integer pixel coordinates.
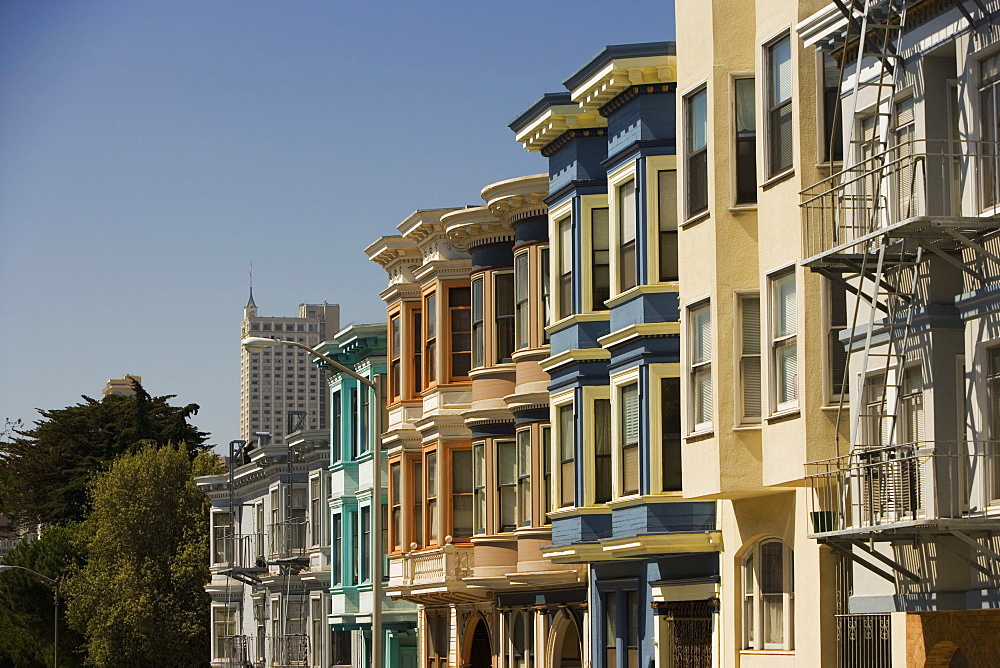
(236, 651)
(864, 641)
(913, 178)
(875, 487)
(245, 551)
(291, 649)
(289, 538)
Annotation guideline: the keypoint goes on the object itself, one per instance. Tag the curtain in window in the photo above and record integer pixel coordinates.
(772, 592)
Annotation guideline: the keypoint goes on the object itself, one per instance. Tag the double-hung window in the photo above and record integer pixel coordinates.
(768, 596)
(628, 268)
(503, 310)
(506, 485)
(600, 274)
(629, 398)
(416, 332)
(993, 397)
(479, 488)
(431, 461)
(784, 352)
(545, 272)
(336, 545)
(750, 377)
(779, 105)
(696, 149)
(670, 434)
(395, 356)
(522, 312)
(836, 350)
(701, 367)
(430, 339)
(396, 506)
(224, 630)
(745, 131)
(222, 538)
(567, 456)
(460, 325)
(461, 493)
(989, 98)
(524, 477)
(355, 418)
(365, 543)
(564, 229)
(315, 512)
(478, 337)
(602, 451)
(666, 182)
(546, 473)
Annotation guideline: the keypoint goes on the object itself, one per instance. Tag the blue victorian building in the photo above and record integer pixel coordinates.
(615, 364)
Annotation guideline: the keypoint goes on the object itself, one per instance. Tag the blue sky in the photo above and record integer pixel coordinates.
(149, 151)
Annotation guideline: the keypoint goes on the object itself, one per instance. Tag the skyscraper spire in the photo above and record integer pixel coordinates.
(250, 302)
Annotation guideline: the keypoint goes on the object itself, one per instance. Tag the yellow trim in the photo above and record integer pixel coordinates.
(629, 377)
(591, 394)
(657, 372)
(616, 180)
(587, 205)
(576, 355)
(672, 328)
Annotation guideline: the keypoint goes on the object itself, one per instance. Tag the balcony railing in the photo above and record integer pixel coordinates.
(913, 178)
(924, 482)
(236, 651)
(289, 538)
(865, 641)
(245, 551)
(291, 649)
(449, 563)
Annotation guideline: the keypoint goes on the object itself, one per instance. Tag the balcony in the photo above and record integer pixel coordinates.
(291, 649)
(235, 651)
(289, 541)
(437, 573)
(927, 486)
(917, 189)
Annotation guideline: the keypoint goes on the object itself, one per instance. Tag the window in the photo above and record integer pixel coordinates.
(785, 369)
(875, 420)
(779, 106)
(318, 622)
(355, 527)
(631, 628)
(565, 293)
(503, 309)
(417, 477)
(354, 417)
(524, 477)
(833, 134)
(365, 417)
(701, 367)
(670, 434)
(336, 565)
(222, 538)
(479, 487)
(993, 395)
(602, 450)
(546, 277)
(315, 509)
(432, 497)
(547, 472)
(611, 629)
(507, 485)
(666, 183)
(745, 129)
(478, 341)
(629, 397)
(365, 530)
(417, 333)
(696, 143)
(430, 339)
(461, 493)
(522, 314)
(224, 630)
(628, 276)
(460, 321)
(600, 258)
(767, 596)
(836, 350)
(396, 506)
(989, 92)
(395, 357)
(567, 457)
(750, 379)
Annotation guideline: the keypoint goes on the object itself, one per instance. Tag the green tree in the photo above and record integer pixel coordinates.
(26, 601)
(45, 470)
(140, 598)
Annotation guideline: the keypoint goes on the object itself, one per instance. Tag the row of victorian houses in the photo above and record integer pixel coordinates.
(721, 388)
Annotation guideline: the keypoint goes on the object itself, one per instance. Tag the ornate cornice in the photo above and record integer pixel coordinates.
(569, 136)
(519, 198)
(633, 92)
(475, 226)
(621, 74)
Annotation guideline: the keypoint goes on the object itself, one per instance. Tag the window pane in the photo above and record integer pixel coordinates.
(670, 426)
(602, 450)
(503, 307)
(667, 212)
(601, 272)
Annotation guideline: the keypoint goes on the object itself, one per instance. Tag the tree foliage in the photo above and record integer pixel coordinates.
(139, 599)
(45, 470)
(26, 601)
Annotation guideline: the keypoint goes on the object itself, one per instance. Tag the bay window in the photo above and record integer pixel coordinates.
(503, 310)
(430, 339)
(567, 456)
(506, 485)
(564, 229)
(478, 339)
(395, 506)
(696, 151)
(629, 434)
(666, 182)
(479, 487)
(431, 487)
(524, 477)
(462, 485)
(627, 261)
(784, 351)
(600, 273)
(701, 367)
(522, 314)
(395, 357)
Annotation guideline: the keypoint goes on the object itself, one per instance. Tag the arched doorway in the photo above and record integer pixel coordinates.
(480, 652)
(565, 644)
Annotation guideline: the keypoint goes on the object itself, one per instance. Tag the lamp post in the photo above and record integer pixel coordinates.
(256, 343)
(55, 619)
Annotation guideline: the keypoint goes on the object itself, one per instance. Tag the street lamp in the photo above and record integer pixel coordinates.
(258, 343)
(55, 624)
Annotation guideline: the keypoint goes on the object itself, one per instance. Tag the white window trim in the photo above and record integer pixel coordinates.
(686, 215)
(788, 598)
(235, 609)
(616, 179)
(556, 254)
(692, 428)
(774, 406)
(766, 176)
(619, 381)
(740, 410)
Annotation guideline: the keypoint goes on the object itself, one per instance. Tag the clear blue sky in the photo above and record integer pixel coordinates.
(150, 150)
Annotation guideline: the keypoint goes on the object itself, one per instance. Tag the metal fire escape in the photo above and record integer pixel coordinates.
(877, 229)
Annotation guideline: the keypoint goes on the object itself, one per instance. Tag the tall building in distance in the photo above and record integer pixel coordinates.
(121, 386)
(274, 383)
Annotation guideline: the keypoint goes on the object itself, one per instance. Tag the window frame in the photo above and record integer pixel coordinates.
(592, 471)
(631, 377)
(431, 487)
(480, 507)
(701, 417)
(522, 300)
(450, 331)
(658, 375)
(694, 207)
(560, 406)
(752, 596)
(667, 220)
(774, 110)
(779, 341)
(431, 338)
(456, 493)
(744, 172)
(749, 359)
(503, 318)
(395, 355)
(525, 465)
(563, 228)
(396, 501)
(505, 447)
